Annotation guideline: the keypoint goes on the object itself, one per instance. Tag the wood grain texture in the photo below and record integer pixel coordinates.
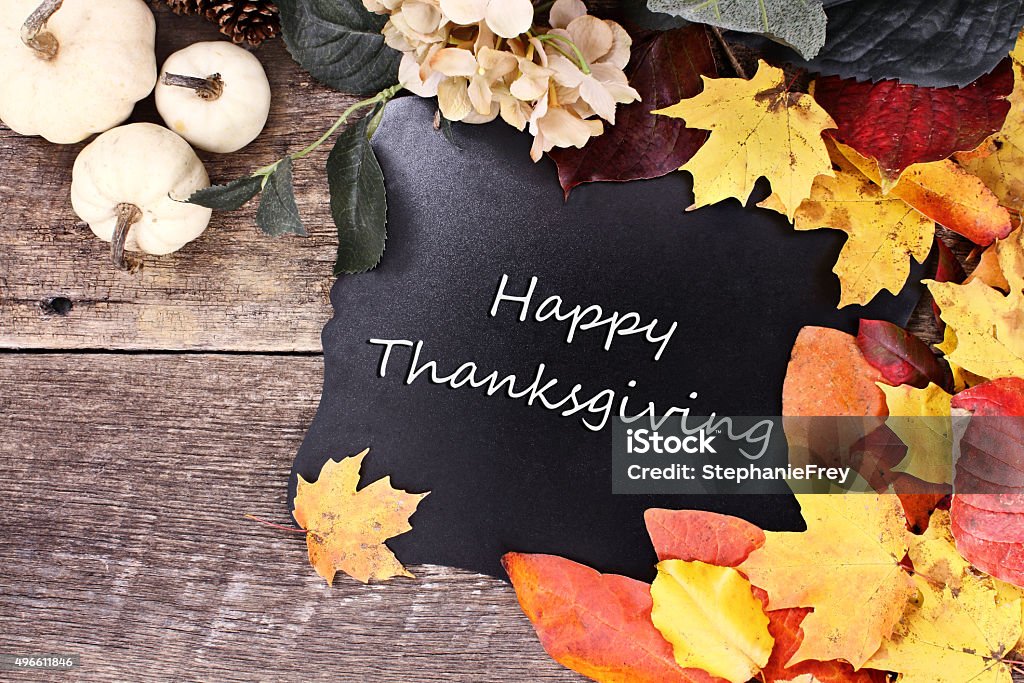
(124, 481)
(232, 289)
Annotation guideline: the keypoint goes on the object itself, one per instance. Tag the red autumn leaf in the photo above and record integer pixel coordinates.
(948, 269)
(901, 357)
(784, 625)
(695, 535)
(987, 513)
(596, 624)
(899, 124)
(664, 69)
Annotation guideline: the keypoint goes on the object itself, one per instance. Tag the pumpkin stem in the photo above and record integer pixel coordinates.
(33, 35)
(209, 88)
(127, 216)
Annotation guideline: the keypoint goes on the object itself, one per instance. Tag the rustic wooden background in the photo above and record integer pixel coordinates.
(142, 415)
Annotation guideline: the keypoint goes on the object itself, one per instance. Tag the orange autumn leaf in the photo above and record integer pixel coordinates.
(346, 528)
(947, 194)
(830, 398)
(695, 535)
(596, 624)
(828, 375)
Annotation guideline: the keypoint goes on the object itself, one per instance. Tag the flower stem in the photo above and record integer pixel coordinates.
(382, 97)
(560, 40)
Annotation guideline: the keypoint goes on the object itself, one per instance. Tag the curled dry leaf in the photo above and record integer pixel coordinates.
(712, 618)
(346, 528)
(804, 569)
(768, 131)
(947, 194)
(899, 124)
(985, 333)
(901, 357)
(883, 231)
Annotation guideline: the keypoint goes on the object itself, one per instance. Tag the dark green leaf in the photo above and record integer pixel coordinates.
(339, 43)
(446, 128)
(278, 214)
(925, 42)
(799, 24)
(358, 200)
(228, 197)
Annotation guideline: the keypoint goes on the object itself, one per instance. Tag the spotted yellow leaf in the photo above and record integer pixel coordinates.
(987, 338)
(758, 128)
(346, 528)
(884, 232)
(847, 563)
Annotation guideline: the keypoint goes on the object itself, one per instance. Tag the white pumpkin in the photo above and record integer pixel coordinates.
(215, 95)
(73, 68)
(131, 185)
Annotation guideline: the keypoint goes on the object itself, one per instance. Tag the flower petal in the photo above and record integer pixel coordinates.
(453, 98)
(564, 11)
(509, 18)
(464, 11)
(592, 36)
(410, 77)
(453, 61)
(422, 17)
(598, 97)
(480, 94)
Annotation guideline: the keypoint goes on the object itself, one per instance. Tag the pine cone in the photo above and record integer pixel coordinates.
(244, 21)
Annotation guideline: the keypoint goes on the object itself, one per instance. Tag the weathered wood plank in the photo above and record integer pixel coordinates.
(124, 483)
(233, 289)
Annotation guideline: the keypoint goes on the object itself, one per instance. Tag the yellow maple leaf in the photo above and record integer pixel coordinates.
(960, 627)
(346, 528)
(884, 232)
(758, 128)
(987, 338)
(847, 563)
(712, 619)
(1000, 161)
(922, 420)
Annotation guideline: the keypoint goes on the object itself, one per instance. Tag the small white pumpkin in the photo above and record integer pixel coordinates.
(71, 68)
(131, 185)
(215, 95)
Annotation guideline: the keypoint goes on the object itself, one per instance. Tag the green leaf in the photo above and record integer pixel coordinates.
(278, 213)
(799, 24)
(228, 197)
(339, 43)
(358, 200)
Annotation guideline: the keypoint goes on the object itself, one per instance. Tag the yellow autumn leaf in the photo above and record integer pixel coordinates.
(846, 563)
(758, 128)
(1000, 162)
(987, 325)
(921, 419)
(884, 232)
(712, 619)
(960, 627)
(346, 528)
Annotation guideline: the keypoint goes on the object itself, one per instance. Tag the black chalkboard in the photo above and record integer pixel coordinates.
(739, 282)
